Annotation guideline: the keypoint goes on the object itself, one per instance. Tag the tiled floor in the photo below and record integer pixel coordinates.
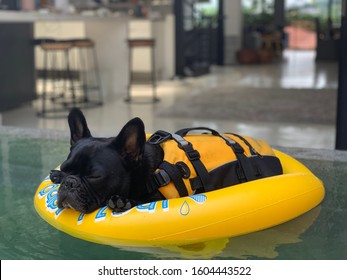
(296, 70)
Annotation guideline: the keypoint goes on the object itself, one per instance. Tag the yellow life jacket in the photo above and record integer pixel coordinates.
(205, 162)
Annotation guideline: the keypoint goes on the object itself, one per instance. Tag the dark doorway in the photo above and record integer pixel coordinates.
(199, 36)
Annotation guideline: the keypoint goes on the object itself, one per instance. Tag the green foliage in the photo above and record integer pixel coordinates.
(257, 19)
(209, 11)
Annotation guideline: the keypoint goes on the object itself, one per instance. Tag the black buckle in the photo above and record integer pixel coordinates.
(193, 155)
(161, 178)
(159, 137)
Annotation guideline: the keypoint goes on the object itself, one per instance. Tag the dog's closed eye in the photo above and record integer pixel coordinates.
(94, 177)
(92, 172)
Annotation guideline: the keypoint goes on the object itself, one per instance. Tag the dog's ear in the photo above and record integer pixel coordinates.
(130, 142)
(78, 126)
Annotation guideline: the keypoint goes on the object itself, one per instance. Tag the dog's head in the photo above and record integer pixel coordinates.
(97, 168)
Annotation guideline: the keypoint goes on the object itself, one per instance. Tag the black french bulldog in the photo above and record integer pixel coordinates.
(111, 170)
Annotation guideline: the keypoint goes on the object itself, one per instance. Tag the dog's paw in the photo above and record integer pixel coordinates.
(56, 176)
(120, 204)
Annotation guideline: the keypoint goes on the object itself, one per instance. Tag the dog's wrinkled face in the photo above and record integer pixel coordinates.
(92, 172)
(97, 168)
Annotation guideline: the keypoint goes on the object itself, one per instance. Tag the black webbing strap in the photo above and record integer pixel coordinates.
(194, 157)
(183, 132)
(251, 149)
(175, 176)
(166, 173)
(245, 164)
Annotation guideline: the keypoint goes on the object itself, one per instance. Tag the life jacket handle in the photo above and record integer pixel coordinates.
(183, 132)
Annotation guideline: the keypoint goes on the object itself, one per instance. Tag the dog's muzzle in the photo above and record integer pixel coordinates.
(68, 186)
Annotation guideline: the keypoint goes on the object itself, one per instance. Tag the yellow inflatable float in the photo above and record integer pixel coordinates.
(228, 212)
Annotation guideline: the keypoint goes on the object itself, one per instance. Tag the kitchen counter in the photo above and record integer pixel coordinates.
(21, 16)
(110, 34)
(17, 54)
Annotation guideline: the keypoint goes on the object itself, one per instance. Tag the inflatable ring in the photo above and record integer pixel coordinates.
(228, 212)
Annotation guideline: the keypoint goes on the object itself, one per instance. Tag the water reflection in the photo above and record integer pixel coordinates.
(262, 244)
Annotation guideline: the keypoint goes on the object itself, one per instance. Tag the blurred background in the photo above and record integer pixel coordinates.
(262, 68)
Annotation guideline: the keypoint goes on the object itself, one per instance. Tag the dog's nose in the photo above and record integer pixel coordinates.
(71, 182)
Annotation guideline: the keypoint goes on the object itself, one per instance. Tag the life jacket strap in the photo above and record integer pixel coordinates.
(167, 173)
(246, 166)
(251, 148)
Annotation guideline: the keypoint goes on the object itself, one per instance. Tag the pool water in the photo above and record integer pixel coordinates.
(25, 160)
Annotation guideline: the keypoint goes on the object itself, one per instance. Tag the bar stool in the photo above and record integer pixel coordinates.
(85, 62)
(67, 65)
(135, 43)
(56, 68)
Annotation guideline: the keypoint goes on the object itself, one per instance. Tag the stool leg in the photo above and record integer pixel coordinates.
(128, 99)
(44, 86)
(154, 81)
(97, 75)
(83, 67)
(59, 77)
(70, 78)
(56, 77)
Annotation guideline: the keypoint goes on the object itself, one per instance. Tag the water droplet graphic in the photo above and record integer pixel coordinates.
(185, 209)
